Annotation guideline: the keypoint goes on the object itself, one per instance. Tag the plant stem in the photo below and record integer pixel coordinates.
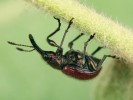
(113, 35)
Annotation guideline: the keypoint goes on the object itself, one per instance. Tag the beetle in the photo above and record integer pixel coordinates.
(74, 62)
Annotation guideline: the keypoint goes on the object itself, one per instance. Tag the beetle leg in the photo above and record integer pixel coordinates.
(70, 45)
(86, 43)
(103, 59)
(98, 49)
(70, 23)
(59, 50)
(51, 42)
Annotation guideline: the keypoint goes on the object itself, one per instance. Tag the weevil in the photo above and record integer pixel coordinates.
(74, 62)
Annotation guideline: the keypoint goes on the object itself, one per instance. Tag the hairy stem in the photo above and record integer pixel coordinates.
(113, 35)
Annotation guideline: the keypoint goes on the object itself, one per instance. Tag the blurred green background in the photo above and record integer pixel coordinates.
(25, 76)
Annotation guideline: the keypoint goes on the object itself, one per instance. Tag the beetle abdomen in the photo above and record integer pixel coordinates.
(80, 73)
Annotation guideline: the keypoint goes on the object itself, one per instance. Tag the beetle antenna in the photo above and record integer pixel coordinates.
(12, 43)
(20, 49)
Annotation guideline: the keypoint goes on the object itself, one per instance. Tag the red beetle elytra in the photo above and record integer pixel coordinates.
(73, 62)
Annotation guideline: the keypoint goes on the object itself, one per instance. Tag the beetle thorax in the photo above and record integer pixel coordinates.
(52, 59)
(75, 57)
